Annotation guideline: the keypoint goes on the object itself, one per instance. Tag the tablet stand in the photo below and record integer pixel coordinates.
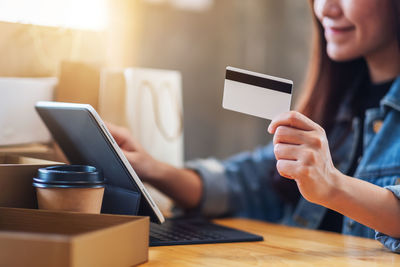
(118, 200)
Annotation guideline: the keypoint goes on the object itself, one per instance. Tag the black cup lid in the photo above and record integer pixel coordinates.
(69, 175)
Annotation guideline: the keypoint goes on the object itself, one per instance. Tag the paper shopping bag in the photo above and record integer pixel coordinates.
(149, 103)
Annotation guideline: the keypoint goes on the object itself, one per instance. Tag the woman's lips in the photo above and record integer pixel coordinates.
(337, 32)
(340, 29)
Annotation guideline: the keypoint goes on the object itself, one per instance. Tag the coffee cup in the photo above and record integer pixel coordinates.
(76, 188)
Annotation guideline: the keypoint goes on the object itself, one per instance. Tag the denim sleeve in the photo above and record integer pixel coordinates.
(239, 185)
(391, 243)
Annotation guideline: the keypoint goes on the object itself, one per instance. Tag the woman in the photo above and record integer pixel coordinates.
(352, 100)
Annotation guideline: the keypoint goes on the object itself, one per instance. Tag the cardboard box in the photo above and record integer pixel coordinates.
(16, 174)
(39, 151)
(48, 238)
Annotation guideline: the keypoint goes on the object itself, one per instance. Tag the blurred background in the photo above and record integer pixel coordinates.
(198, 38)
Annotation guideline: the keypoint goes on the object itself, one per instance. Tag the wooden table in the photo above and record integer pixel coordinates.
(282, 246)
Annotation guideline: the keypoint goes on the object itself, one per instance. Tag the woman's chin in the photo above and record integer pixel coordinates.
(341, 54)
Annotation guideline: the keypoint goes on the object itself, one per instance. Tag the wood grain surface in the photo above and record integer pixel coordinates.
(282, 246)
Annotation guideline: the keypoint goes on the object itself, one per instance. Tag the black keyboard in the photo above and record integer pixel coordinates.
(195, 231)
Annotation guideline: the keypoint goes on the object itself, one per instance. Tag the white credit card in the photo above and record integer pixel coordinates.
(256, 94)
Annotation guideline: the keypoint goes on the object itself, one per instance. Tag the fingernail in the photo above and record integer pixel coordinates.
(269, 128)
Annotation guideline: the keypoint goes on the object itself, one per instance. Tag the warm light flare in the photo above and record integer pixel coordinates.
(78, 14)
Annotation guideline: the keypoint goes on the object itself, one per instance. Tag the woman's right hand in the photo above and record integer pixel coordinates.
(145, 166)
(182, 185)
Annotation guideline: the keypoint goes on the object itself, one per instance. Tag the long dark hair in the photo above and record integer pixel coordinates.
(326, 84)
(327, 80)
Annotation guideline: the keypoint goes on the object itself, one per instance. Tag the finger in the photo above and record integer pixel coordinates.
(120, 134)
(114, 129)
(131, 156)
(287, 168)
(292, 119)
(288, 135)
(124, 138)
(134, 160)
(287, 151)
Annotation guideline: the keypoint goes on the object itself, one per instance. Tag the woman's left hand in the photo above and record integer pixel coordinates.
(302, 152)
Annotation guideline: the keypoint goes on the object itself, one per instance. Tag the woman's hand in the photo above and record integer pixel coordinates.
(302, 151)
(182, 185)
(144, 164)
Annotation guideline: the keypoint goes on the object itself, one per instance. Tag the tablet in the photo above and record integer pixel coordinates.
(85, 139)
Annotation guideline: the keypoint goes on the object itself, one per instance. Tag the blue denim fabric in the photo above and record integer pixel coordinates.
(240, 185)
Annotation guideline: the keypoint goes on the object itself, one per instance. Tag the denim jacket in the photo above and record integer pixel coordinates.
(241, 185)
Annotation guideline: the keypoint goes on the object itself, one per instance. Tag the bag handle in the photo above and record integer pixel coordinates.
(145, 84)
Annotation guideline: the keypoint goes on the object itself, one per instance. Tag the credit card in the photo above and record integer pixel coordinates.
(256, 94)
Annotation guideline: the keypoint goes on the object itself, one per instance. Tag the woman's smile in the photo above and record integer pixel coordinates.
(338, 33)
